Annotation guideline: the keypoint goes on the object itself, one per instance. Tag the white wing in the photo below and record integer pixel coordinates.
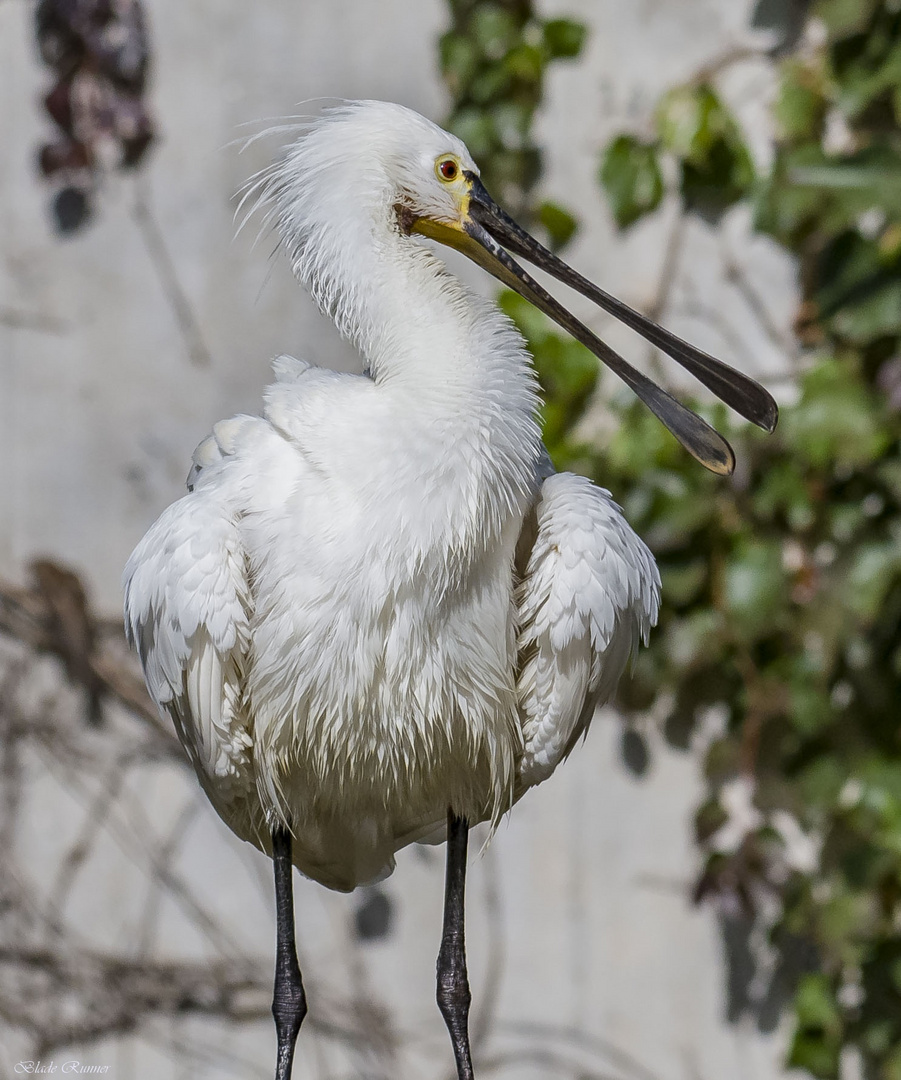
(590, 591)
(187, 605)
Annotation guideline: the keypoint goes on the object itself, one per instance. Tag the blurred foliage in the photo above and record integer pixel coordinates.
(631, 174)
(778, 653)
(494, 60)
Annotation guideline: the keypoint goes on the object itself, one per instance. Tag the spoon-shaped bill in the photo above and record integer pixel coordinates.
(695, 434)
(741, 393)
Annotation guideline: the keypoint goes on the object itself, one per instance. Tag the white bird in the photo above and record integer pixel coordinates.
(379, 612)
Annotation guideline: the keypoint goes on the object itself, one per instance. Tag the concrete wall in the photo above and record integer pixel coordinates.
(582, 938)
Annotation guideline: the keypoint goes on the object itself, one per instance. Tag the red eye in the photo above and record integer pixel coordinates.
(448, 170)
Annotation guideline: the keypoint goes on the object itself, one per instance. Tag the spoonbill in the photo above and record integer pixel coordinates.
(379, 615)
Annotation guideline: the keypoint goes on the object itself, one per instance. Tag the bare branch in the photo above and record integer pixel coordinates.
(157, 249)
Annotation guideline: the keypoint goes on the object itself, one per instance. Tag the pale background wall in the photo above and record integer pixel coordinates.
(579, 913)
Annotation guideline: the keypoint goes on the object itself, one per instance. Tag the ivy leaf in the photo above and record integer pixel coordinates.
(724, 178)
(511, 172)
(512, 120)
(459, 61)
(493, 30)
(845, 17)
(489, 84)
(785, 209)
(801, 107)
(755, 586)
(630, 173)
(864, 81)
(836, 419)
(476, 128)
(717, 169)
(525, 63)
(559, 223)
(859, 288)
(874, 570)
(687, 121)
(564, 38)
(817, 1039)
(683, 582)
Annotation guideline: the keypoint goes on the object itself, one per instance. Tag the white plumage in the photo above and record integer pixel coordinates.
(377, 601)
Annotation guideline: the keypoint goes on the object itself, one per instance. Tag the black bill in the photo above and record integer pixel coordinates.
(487, 227)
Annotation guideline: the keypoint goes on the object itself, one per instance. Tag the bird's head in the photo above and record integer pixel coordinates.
(364, 164)
(368, 172)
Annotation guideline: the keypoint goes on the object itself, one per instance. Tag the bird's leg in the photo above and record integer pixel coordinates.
(453, 984)
(289, 1003)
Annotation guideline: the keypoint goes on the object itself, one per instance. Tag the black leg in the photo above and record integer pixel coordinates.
(453, 985)
(289, 1003)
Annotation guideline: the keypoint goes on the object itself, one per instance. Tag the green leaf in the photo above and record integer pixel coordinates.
(722, 761)
(688, 121)
(631, 175)
(844, 17)
(755, 586)
(816, 1054)
(717, 168)
(559, 223)
(490, 84)
(692, 120)
(476, 128)
(512, 172)
(683, 582)
(533, 324)
(725, 177)
(512, 121)
(783, 491)
(494, 30)
(878, 1038)
(848, 270)
(822, 781)
(875, 568)
(815, 1003)
(459, 61)
(863, 82)
(525, 62)
(837, 420)
(800, 109)
(785, 209)
(811, 708)
(564, 38)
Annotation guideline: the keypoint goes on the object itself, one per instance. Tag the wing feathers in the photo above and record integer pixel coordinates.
(187, 605)
(589, 593)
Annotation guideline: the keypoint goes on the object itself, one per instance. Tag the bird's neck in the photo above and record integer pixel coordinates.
(453, 369)
(420, 330)
(459, 360)
(456, 374)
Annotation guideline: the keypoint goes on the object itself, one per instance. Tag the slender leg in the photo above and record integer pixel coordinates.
(289, 1003)
(453, 984)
